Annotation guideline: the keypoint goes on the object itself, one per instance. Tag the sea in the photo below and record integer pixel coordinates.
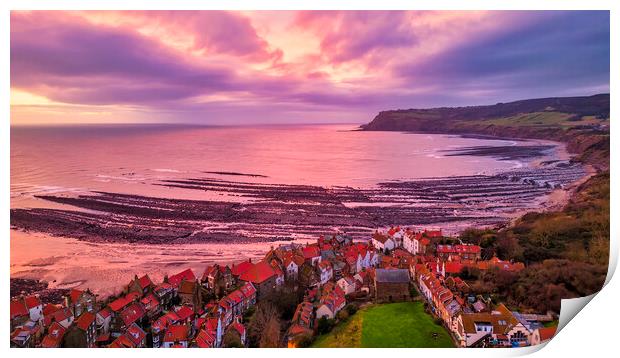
(134, 158)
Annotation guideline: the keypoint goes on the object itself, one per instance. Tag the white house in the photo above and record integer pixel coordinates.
(383, 242)
(411, 243)
(498, 328)
(330, 308)
(396, 234)
(374, 259)
(291, 268)
(325, 311)
(35, 308)
(103, 318)
(347, 284)
(326, 271)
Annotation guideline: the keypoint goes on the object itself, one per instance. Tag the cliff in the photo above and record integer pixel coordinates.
(580, 122)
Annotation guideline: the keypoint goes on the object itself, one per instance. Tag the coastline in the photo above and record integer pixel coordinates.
(200, 253)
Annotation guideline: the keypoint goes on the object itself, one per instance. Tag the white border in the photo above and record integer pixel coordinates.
(592, 332)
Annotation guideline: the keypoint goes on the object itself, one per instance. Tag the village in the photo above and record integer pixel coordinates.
(322, 283)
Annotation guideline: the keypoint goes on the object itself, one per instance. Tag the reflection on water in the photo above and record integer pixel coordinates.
(106, 267)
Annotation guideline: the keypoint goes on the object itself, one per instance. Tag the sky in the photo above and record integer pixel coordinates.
(257, 67)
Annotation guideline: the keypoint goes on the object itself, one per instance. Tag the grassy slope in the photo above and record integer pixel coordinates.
(347, 334)
(390, 325)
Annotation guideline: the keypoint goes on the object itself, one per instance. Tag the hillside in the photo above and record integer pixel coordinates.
(581, 122)
(566, 251)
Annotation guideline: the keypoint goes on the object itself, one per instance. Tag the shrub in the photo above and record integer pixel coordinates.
(351, 309)
(342, 315)
(305, 341)
(325, 325)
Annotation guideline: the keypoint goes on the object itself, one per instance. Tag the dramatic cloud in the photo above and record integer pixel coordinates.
(559, 54)
(229, 67)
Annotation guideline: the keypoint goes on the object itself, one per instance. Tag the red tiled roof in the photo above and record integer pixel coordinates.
(85, 320)
(258, 273)
(18, 308)
(145, 281)
(132, 313)
(119, 303)
(135, 334)
(547, 333)
(236, 296)
(49, 308)
(62, 314)
(187, 287)
(211, 324)
(377, 236)
(104, 313)
(75, 294)
(458, 249)
(393, 230)
(122, 342)
(133, 296)
(150, 302)
(433, 233)
(184, 313)
(187, 275)
(164, 321)
(241, 267)
(176, 333)
(204, 339)
(103, 338)
(311, 251)
(54, 336)
(454, 267)
(32, 301)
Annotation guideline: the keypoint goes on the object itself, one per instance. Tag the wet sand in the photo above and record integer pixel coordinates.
(273, 212)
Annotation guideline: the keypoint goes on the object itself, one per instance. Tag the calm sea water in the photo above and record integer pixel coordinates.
(131, 159)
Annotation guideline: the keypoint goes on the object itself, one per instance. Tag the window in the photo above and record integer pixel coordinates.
(518, 337)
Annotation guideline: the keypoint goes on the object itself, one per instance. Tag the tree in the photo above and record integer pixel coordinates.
(508, 248)
(232, 339)
(271, 335)
(325, 325)
(260, 322)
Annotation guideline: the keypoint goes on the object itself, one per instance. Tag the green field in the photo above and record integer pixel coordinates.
(533, 119)
(398, 325)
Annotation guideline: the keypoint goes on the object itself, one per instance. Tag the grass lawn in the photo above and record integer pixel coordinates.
(390, 325)
(545, 119)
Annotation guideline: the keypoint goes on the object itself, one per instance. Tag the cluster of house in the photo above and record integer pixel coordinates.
(189, 311)
(170, 314)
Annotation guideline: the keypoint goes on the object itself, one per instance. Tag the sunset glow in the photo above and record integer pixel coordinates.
(270, 67)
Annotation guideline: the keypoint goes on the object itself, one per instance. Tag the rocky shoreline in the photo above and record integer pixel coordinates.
(274, 212)
(27, 287)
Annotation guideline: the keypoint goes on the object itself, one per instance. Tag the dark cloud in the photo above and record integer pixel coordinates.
(551, 53)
